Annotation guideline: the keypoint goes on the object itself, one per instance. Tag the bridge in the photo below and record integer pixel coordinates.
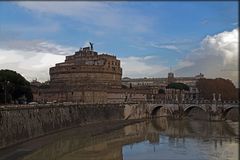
(23, 122)
(205, 109)
(208, 110)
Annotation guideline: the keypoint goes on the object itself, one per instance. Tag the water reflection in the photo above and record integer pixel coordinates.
(157, 139)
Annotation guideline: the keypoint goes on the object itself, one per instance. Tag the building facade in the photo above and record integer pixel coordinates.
(157, 84)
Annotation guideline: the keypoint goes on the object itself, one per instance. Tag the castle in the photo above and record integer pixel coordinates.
(85, 77)
(89, 77)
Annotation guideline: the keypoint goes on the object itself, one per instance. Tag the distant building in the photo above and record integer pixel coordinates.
(170, 77)
(160, 83)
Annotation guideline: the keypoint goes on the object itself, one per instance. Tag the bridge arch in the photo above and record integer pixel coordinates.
(196, 112)
(188, 109)
(234, 117)
(155, 110)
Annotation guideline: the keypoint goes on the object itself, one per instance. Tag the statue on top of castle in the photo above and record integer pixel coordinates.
(91, 46)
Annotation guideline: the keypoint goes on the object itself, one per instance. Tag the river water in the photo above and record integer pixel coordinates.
(157, 139)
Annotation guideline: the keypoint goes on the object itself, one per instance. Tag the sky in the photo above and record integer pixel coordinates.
(148, 37)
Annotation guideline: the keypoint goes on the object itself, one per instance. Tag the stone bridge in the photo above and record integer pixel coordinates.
(200, 110)
(20, 123)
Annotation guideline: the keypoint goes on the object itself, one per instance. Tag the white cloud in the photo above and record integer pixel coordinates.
(170, 47)
(148, 57)
(37, 46)
(103, 14)
(184, 63)
(54, 48)
(224, 44)
(32, 59)
(217, 57)
(142, 67)
(9, 56)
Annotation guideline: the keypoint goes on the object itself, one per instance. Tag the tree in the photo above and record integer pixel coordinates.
(180, 86)
(14, 87)
(161, 91)
(225, 87)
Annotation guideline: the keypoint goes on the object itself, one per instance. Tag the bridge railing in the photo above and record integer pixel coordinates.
(192, 102)
(225, 102)
(230, 102)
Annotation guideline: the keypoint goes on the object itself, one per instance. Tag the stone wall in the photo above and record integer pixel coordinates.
(17, 125)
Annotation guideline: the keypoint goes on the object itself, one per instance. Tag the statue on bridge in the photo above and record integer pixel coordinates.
(176, 98)
(183, 96)
(214, 98)
(219, 97)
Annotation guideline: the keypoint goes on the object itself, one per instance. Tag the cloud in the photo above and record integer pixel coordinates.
(216, 57)
(204, 22)
(184, 63)
(148, 57)
(37, 46)
(142, 67)
(54, 48)
(102, 14)
(166, 46)
(32, 59)
(14, 31)
(224, 44)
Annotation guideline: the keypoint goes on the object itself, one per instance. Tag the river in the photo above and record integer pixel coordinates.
(157, 139)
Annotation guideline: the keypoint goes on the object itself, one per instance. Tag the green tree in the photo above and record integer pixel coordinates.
(14, 86)
(161, 91)
(180, 86)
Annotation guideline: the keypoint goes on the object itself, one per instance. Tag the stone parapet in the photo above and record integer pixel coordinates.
(18, 124)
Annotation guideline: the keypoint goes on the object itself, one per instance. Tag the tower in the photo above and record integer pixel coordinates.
(170, 77)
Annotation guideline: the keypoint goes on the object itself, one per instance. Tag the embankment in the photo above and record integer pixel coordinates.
(18, 124)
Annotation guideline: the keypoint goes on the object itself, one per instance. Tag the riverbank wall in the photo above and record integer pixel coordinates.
(21, 123)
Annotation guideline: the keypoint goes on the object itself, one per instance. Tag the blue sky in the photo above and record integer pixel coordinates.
(155, 34)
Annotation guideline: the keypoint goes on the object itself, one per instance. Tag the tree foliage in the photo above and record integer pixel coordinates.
(15, 85)
(180, 86)
(225, 87)
(161, 91)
